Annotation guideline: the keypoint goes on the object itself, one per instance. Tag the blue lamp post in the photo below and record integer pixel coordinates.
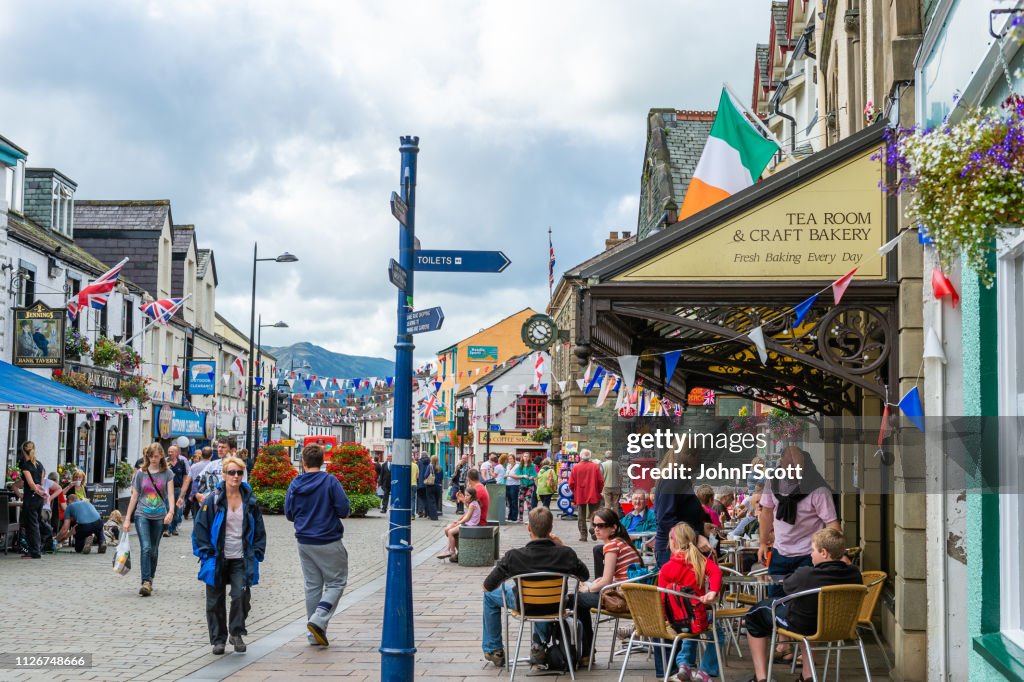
(397, 647)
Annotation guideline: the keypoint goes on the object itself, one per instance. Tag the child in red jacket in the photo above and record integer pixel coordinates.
(690, 571)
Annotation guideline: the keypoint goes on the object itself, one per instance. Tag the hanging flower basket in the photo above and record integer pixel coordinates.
(76, 345)
(967, 181)
(75, 380)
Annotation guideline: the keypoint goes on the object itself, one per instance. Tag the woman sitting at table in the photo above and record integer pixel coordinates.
(618, 556)
(747, 526)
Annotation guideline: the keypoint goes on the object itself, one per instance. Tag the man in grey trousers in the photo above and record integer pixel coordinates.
(316, 503)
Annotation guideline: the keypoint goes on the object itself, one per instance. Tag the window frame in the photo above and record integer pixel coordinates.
(528, 407)
(1009, 267)
(26, 284)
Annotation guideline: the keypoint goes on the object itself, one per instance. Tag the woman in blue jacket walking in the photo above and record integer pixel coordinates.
(230, 541)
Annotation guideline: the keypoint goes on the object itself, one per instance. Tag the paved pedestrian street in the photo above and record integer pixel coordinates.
(67, 603)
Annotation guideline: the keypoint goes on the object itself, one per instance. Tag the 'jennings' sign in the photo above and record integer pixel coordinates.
(39, 337)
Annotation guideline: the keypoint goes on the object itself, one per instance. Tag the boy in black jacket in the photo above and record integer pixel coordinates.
(801, 615)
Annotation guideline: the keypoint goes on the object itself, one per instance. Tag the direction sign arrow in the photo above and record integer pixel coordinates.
(397, 274)
(399, 209)
(428, 320)
(460, 261)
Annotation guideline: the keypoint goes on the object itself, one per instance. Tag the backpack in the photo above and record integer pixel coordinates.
(556, 651)
(684, 615)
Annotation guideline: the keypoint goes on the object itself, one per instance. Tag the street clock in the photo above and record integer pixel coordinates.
(539, 332)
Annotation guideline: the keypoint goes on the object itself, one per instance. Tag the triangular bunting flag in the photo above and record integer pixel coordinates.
(889, 245)
(561, 386)
(594, 380)
(671, 360)
(544, 389)
(627, 363)
(308, 382)
(911, 406)
(489, 388)
(942, 287)
(933, 346)
(802, 308)
(839, 286)
(581, 383)
(606, 388)
(884, 426)
(756, 335)
(164, 368)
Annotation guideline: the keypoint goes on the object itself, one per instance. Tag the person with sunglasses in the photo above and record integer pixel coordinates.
(619, 555)
(230, 540)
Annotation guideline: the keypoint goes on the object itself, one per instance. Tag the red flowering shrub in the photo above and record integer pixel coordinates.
(351, 464)
(273, 469)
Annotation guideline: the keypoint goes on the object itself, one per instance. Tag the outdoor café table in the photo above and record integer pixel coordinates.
(640, 540)
(759, 583)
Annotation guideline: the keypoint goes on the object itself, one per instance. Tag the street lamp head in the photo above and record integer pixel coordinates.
(279, 324)
(286, 258)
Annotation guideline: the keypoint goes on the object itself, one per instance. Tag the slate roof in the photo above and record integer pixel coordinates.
(184, 235)
(762, 64)
(28, 232)
(121, 215)
(675, 141)
(205, 258)
(780, 14)
(686, 140)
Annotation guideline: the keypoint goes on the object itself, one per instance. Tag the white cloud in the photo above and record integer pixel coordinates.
(280, 124)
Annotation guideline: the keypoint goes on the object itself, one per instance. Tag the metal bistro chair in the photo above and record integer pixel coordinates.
(540, 598)
(839, 608)
(8, 528)
(604, 616)
(730, 615)
(648, 611)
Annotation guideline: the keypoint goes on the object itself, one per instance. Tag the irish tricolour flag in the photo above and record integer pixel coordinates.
(733, 159)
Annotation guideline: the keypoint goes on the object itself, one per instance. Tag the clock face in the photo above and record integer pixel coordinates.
(539, 332)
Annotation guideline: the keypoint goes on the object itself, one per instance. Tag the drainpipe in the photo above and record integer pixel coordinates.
(778, 112)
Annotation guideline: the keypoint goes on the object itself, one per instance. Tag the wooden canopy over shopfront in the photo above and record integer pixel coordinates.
(702, 285)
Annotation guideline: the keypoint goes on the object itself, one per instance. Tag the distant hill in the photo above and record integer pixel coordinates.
(330, 364)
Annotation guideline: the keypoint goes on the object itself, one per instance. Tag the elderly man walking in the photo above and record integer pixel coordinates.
(316, 503)
(586, 483)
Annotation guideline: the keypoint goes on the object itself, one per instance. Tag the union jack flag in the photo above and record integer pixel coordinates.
(429, 407)
(95, 295)
(709, 397)
(551, 263)
(163, 310)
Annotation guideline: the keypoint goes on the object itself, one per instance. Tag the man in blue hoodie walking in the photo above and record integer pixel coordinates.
(316, 503)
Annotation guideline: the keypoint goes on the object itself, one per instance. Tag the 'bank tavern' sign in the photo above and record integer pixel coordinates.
(820, 229)
(39, 337)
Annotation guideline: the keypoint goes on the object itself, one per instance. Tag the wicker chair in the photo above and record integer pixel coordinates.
(874, 581)
(605, 616)
(839, 608)
(540, 598)
(651, 623)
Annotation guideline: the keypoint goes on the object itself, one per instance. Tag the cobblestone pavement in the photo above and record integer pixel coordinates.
(447, 611)
(68, 603)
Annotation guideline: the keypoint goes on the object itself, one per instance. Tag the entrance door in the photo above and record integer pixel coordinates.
(99, 450)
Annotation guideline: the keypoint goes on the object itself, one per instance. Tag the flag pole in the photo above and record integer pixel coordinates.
(756, 120)
(153, 323)
(551, 271)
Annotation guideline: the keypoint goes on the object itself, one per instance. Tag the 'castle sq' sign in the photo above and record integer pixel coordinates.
(820, 229)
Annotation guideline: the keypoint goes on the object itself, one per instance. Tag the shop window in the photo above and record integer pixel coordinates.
(1010, 293)
(531, 412)
(128, 324)
(26, 285)
(66, 445)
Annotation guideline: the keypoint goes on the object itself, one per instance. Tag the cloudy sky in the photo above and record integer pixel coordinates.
(264, 122)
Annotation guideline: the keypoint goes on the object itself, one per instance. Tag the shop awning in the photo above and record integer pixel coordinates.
(23, 391)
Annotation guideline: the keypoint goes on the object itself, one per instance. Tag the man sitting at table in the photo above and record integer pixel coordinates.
(724, 497)
(640, 519)
(88, 527)
(544, 553)
(830, 567)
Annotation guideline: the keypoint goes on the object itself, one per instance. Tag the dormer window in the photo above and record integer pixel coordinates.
(62, 208)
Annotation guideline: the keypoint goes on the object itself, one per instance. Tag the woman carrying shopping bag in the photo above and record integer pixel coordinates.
(152, 487)
(230, 541)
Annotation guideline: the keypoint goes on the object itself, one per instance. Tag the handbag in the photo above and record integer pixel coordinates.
(429, 478)
(614, 601)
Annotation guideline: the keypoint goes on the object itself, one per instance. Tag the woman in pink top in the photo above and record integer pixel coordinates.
(472, 517)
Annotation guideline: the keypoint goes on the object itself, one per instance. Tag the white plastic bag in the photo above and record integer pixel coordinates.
(123, 555)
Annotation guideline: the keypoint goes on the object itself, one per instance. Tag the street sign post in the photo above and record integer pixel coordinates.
(460, 261)
(428, 320)
(398, 275)
(399, 209)
(397, 641)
